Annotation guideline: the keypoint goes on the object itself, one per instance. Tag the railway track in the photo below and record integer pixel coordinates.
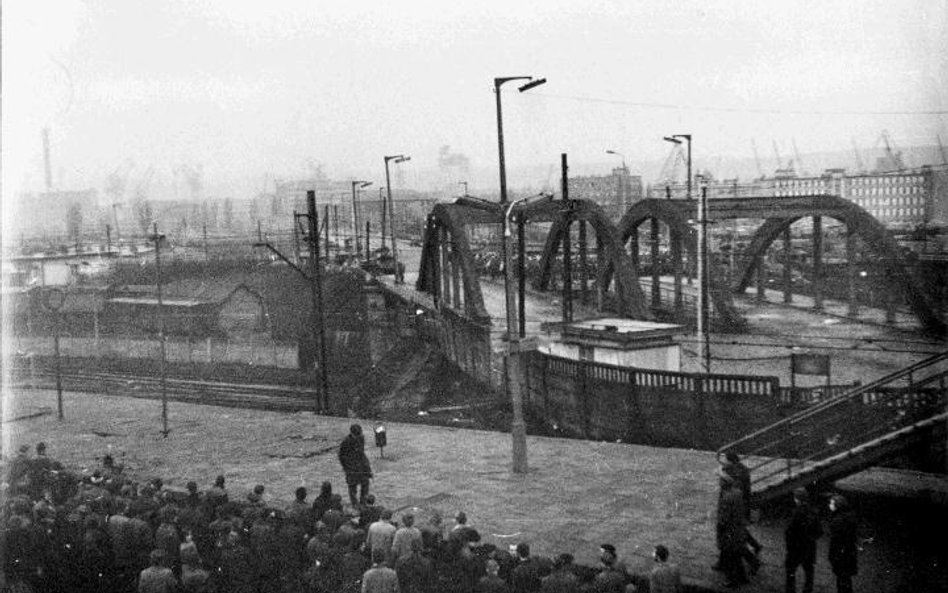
(264, 397)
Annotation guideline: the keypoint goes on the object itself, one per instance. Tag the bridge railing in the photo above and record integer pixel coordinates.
(844, 423)
(604, 401)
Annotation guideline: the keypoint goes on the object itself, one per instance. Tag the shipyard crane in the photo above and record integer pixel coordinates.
(669, 173)
(115, 185)
(798, 164)
(859, 164)
(760, 170)
(893, 158)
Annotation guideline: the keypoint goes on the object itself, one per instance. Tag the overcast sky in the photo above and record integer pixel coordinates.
(253, 87)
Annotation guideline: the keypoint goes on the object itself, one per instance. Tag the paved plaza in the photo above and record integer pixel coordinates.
(577, 495)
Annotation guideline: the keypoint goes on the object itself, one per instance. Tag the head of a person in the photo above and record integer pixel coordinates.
(492, 568)
(732, 458)
(355, 430)
(41, 448)
(386, 515)
(563, 561)
(607, 553)
(326, 489)
(837, 502)
(408, 519)
(157, 557)
(259, 489)
(301, 494)
(461, 518)
(192, 487)
(660, 554)
(219, 482)
(801, 496)
(523, 550)
(378, 555)
(370, 499)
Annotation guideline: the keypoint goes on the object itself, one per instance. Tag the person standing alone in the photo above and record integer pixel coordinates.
(355, 464)
(842, 543)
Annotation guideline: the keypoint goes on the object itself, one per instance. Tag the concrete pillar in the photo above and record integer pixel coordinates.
(583, 263)
(676, 256)
(788, 260)
(817, 263)
(851, 274)
(653, 242)
(761, 278)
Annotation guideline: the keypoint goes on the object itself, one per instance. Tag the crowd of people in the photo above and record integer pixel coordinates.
(106, 532)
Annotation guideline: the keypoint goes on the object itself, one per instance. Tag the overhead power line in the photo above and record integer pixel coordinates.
(651, 105)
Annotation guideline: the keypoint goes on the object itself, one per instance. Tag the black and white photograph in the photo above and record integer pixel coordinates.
(614, 296)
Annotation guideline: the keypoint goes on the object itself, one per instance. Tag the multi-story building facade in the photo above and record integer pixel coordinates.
(900, 199)
(614, 192)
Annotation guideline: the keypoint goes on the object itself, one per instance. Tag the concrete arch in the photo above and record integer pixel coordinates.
(445, 217)
(876, 238)
(670, 213)
(631, 300)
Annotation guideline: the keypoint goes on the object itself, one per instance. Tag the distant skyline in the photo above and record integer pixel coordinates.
(248, 89)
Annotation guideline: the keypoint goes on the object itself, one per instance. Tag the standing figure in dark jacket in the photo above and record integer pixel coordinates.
(800, 537)
(842, 543)
(356, 465)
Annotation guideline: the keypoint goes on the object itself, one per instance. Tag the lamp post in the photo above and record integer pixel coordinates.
(498, 82)
(398, 158)
(355, 215)
(464, 183)
(676, 139)
(704, 353)
(158, 238)
(618, 154)
(512, 372)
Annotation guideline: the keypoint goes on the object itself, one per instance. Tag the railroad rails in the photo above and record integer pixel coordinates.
(285, 398)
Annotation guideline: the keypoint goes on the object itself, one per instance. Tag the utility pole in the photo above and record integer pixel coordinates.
(318, 320)
(206, 258)
(161, 331)
(296, 239)
(108, 239)
(704, 352)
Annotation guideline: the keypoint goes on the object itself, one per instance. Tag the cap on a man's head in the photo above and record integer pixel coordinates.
(608, 548)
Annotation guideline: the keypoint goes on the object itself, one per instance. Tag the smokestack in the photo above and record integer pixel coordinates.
(48, 165)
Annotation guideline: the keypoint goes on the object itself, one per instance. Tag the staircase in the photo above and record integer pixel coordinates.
(848, 433)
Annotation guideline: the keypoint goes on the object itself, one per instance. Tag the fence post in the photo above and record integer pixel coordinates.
(584, 394)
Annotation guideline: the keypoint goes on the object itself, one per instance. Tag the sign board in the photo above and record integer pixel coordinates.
(523, 345)
(810, 364)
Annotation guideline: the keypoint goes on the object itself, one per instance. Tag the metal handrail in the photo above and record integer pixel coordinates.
(836, 401)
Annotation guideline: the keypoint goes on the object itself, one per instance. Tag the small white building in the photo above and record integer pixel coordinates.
(620, 342)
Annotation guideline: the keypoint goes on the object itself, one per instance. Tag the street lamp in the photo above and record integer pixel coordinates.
(355, 215)
(498, 82)
(464, 183)
(676, 139)
(398, 158)
(618, 154)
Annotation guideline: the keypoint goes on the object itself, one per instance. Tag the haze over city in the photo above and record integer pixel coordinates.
(247, 89)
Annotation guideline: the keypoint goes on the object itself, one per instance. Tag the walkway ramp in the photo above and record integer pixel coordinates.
(848, 433)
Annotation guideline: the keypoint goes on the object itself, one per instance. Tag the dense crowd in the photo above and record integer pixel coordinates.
(105, 532)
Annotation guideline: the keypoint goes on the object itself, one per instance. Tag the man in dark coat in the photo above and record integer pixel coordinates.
(842, 543)
(731, 531)
(355, 464)
(800, 538)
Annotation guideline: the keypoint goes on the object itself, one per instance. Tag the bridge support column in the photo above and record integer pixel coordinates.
(521, 276)
(656, 286)
(456, 280)
(600, 289)
(445, 276)
(677, 263)
(568, 272)
(787, 267)
(817, 263)
(760, 297)
(851, 274)
(583, 263)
